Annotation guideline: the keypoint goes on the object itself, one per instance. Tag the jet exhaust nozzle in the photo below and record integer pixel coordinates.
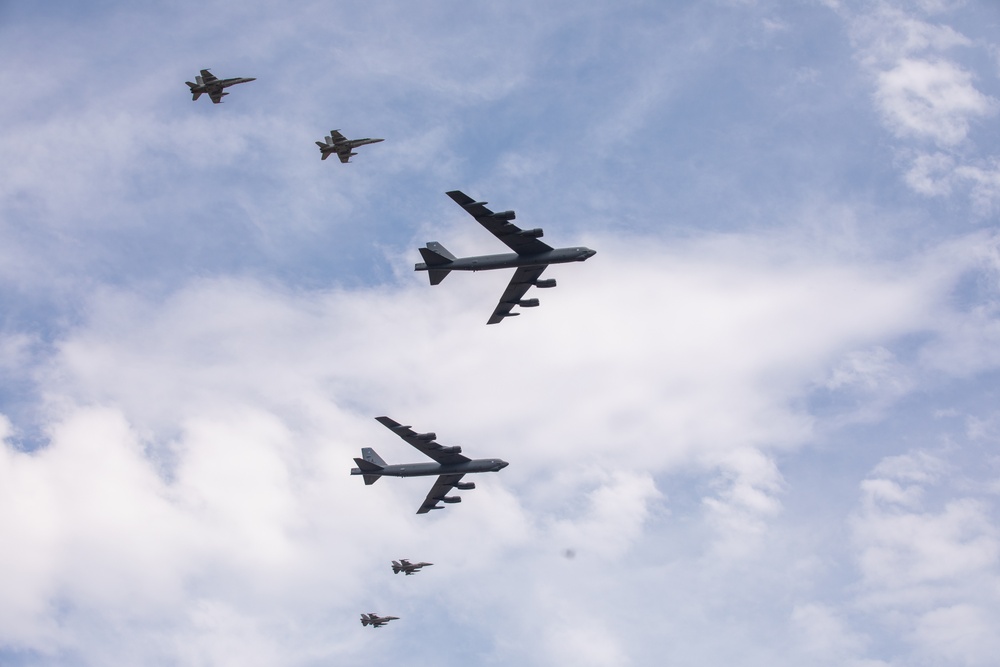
(504, 215)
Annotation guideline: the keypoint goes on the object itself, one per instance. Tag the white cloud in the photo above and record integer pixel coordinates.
(931, 99)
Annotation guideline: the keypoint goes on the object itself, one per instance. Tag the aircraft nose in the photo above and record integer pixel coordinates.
(501, 465)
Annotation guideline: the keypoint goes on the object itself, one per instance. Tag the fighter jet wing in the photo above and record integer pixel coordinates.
(443, 455)
(207, 77)
(337, 136)
(508, 233)
(345, 156)
(442, 486)
(522, 280)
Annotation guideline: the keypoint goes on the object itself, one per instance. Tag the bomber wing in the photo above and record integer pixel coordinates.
(522, 280)
(427, 445)
(508, 233)
(442, 486)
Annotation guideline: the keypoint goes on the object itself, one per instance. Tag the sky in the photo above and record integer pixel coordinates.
(759, 427)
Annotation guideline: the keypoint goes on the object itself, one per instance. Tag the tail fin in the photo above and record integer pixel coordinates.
(436, 257)
(436, 254)
(396, 567)
(371, 465)
(372, 460)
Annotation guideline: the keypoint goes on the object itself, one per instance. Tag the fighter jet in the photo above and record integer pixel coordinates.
(342, 146)
(530, 257)
(450, 466)
(406, 567)
(209, 83)
(375, 620)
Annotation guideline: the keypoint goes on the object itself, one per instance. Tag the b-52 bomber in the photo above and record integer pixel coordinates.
(530, 256)
(212, 85)
(450, 465)
(375, 620)
(406, 567)
(342, 146)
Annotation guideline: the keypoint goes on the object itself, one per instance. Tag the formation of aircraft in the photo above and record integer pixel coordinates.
(211, 85)
(530, 257)
(342, 146)
(375, 620)
(450, 465)
(406, 567)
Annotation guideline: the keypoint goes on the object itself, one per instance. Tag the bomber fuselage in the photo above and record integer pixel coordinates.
(427, 469)
(511, 260)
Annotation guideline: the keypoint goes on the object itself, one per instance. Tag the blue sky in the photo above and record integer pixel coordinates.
(759, 427)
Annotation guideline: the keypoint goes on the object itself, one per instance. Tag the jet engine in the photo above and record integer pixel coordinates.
(426, 437)
(465, 486)
(528, 303)
(503, 215)
(449, 499)
(450, 450)
(551, 282)
(535, 233)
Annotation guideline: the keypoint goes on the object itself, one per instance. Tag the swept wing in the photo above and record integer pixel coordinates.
(501, 227)
(427, 445)
(442, 486)
(522, 280)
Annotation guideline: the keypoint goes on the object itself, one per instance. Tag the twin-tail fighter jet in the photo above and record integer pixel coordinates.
(530, 256)
(375, 620)
(406, 567)
(450, 465)
(212, 85)
(342, 146)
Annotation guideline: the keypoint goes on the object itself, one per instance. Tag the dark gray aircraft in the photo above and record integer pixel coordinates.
(375, 620)
(212, 85)
(450, 466)
(406, 567)
(342, 146)
(530, 256)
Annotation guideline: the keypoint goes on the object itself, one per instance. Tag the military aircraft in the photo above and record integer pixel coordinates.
(406, 567)
(450, 465)
(342, 146)
(530, 256)
(375, 620)
(211, 84)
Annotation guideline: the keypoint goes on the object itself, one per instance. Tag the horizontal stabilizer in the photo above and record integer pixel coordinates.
(437, 275)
